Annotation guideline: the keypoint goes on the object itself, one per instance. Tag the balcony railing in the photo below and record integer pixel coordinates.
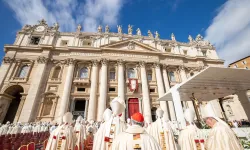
(18, 79)
(55, 80)
(82, 80)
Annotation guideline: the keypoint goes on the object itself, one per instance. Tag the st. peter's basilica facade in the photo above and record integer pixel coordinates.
(46, 73)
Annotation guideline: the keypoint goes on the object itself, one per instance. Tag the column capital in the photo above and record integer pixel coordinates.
(42, 60)
(104, 62)
(157, 65)
(70, 61)
(120, 62)
(142, 64)
(7, 60)
(94, 62)
(181, 67)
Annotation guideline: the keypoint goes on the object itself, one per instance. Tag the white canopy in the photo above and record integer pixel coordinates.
(212, 83)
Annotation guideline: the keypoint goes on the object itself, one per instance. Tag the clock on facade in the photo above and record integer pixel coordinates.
(40, 28)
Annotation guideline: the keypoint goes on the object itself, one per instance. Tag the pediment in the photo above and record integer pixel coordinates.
(129, 45)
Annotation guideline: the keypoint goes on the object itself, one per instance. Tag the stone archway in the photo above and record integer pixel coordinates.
(9, 103)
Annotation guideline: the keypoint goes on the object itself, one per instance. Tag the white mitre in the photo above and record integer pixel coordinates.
(189, 115)
(209, 112)
(79, 119)
(68, 118)
(159, 112)
(117, 105)
(107, 115)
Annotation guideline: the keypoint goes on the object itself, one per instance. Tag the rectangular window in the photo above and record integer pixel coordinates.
(204, 53)
(80, 89)
(112, 89)
(246, 67)
(236, 66)
(35, 40)
(149, 76)
(64, 43)
(152, 90)
(244, 62)
(171, 76)
(112, 75)
(185, 52)
(86, 43)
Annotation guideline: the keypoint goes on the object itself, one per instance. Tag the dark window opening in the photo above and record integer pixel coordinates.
(35, 40)
(152, 90)
(111, 89)
(81, 89)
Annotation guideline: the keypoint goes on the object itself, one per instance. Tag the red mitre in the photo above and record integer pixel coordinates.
(137, 117)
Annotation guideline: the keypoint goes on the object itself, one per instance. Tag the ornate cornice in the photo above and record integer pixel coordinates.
(7, 60)
(70, 61)
(42, 60)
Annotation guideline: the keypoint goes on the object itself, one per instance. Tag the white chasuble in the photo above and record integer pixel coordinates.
(135, 138)
(222, 138)
(107, 133)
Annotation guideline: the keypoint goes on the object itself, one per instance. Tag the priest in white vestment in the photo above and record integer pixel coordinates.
(112, 127)
(80, 133)
(189, 138)
(16, 129)
(26, 128)
(221, 136)
(135, 137)
(63, 138)
(162, 132)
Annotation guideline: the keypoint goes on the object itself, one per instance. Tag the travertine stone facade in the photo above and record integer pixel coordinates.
(46, 72)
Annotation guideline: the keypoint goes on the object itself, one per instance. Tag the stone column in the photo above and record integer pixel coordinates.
(167, 87)
(103, 90)
(4, 69)
(244, 100)
(121, 83)
(145, 92)
(93, 90)
(86, 109)
(20, 107)
(178, 107)
(184, 78)
(67, 87)
(30, 106)
(160, 87)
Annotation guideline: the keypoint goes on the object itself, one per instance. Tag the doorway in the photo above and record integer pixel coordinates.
(153, 113)
(14, 91)
(79, 108)
(133, 106)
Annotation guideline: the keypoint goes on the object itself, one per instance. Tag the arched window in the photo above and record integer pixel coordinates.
(131, 73)
(84, 73)
(149, 74)
(23, 72)
(171, 76)
(112, 74)
(56, 72)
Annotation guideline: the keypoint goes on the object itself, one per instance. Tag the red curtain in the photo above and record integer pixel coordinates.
(133, 106)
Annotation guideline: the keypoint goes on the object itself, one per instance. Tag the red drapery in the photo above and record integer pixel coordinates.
(133, 106)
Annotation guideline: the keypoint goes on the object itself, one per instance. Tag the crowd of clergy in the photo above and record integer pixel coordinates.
(138, 133)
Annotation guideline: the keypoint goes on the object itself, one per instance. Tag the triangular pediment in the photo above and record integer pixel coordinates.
(129, 45)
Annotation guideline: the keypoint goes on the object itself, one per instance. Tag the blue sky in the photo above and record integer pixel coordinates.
(226, 23)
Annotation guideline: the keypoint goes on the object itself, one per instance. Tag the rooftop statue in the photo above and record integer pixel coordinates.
(56, 26)
(199, 37)
(150, 34)
(138, 32)
(173, 37)
(130, 30)
(157, 35)
(107, 29)
(79, 27)
(190, 38)
(119, 28)
(99, 29)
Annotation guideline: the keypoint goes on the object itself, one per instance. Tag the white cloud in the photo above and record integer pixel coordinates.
(230, 30)
(68, 13)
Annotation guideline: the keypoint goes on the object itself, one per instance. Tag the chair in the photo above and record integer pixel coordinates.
(31, 146)
(23, 147)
